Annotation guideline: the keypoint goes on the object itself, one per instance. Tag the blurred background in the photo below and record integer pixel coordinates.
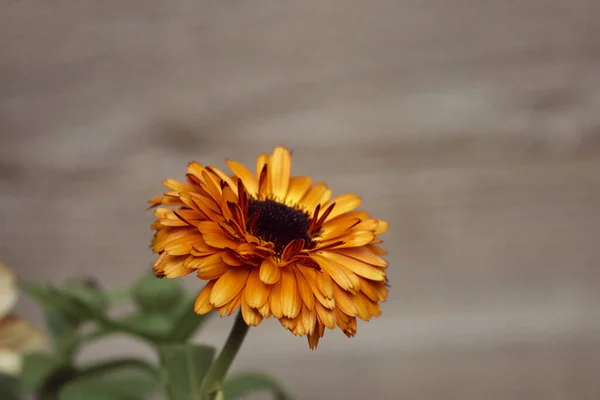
(473, 127)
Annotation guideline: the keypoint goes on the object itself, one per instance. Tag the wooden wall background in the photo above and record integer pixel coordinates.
(472, 126)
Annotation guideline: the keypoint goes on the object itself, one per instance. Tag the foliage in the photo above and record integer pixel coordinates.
(78, 314)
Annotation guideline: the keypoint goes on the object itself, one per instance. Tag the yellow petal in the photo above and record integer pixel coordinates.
(318, 194)
(343, 204)
(8, 290)
(250, 181)
(256, 291)
(10, 363)
(269, 271)
(19, 336)
(279, 172)
(228, 286)
(251, 316)
(358, 267)
(298, 187)
(202, 304)
(290, 297)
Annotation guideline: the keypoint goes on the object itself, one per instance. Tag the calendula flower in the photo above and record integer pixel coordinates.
(16, 336)
(272, 244)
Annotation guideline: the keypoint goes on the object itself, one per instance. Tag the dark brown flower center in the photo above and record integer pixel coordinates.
(277, 223)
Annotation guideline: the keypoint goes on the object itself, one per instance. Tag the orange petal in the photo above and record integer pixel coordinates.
(361, 309)
(220, 241)
(212, 271)
(336, 272)
(228, 286)
(256, 291)
(306, 293)
(167, 235)
(343, 204)
(298, 187)
(275, 300)
(264, 190)
(195, 168)
(177, 186)
(364, 254)
(202, 304)
(269, 271)
(318, 194)
(249, 180)
(265, 311)
(352, 239)
(280, 165)
(343, 301)
(309, 319)
(167, 266)
(233, 305)
(376, 291)
(251, 316)
(224, 177)
(324, 284)
(290, 297)
(182, 245)
(327, 317)
(358, 267)
(382, 227)
(312, 277)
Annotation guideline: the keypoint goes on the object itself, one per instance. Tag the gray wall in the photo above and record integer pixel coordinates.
(472, 126)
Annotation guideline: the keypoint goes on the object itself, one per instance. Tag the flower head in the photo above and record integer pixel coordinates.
(272, 244)
(16, 335)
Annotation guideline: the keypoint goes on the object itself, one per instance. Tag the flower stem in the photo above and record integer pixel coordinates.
(218, 370)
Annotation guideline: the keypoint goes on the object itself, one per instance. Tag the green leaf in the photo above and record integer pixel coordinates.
(251, 382)
(185, 321)
(91, 297)
(184, 367)
(153, 327)
(154, 295)
(128, 379)
(9, 388)
(38, 368)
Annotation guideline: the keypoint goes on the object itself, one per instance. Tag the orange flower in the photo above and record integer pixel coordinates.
(272, 244)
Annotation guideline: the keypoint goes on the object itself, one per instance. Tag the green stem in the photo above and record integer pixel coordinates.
(218, 370)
